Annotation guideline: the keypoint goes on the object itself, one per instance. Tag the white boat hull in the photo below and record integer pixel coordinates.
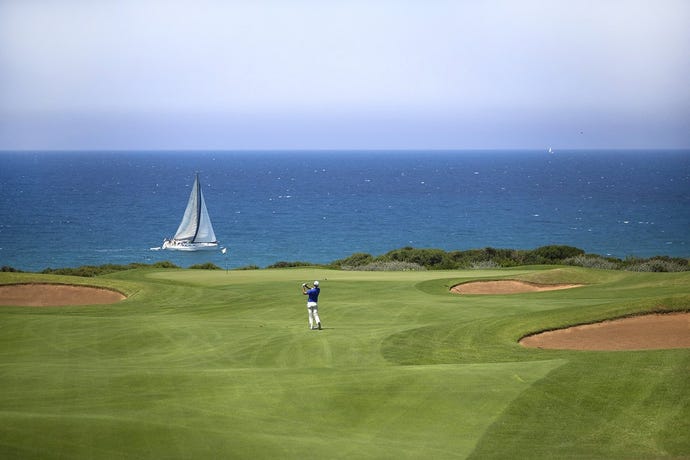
(187, 246)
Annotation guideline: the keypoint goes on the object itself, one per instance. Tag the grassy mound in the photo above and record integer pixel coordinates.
(217, 364)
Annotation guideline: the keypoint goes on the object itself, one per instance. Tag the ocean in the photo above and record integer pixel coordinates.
(66, 209)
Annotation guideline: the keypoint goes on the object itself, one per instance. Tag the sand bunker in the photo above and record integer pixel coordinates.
(648, 332)
(507, 287)
(55, 295)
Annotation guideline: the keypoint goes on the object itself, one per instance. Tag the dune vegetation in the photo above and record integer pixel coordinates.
(221, 364)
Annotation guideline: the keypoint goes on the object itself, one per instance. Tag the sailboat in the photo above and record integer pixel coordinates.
(195, 232)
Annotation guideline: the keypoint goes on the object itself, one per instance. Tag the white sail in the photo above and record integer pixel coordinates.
(204, 232)
(195, 231)
(188, 226)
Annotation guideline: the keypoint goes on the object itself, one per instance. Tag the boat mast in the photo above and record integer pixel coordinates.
(198, 207)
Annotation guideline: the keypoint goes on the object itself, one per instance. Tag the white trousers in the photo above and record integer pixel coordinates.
(313, 310)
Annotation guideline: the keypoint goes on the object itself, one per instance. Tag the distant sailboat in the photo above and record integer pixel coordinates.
(550, 150)
(195, 232)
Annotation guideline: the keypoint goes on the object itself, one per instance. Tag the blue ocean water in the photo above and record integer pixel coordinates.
(66, 209)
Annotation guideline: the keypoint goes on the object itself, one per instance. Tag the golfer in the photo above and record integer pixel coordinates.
(312, 304)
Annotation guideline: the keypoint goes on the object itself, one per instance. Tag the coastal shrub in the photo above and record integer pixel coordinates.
(680, 262)
(491, 256)
(503, 257)
(164, 264)
(388, 266)
(355, 260)
(464, 259)
(283, 264)
(485, 265)
(438, 259)
(434, 259)
(591, 261)
(551, 254)
(657, 265)
(409, 258)
(6, 268)
(205, 266)
(89, 271)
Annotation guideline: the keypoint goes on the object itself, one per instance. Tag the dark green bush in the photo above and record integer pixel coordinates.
(205, 266)
(429, 258)
(97, 270)
(551, 254)
(283, 264)
(6, 268)
(410, 258)
(591, 261)
(355, 260)
(165, 264)
(658, 264)
(389, 266)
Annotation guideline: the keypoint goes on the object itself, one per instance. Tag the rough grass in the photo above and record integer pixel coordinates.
(217, 364)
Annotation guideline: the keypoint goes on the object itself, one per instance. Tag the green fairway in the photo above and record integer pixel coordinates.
(215, 364)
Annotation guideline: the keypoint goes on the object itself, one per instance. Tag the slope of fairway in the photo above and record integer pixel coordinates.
(216, 364)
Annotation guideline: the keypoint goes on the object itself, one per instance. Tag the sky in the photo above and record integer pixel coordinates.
(360, 74)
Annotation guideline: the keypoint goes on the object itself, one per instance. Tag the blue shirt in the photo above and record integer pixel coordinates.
(313, 294)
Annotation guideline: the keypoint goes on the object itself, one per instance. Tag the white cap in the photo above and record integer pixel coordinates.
(316, 283)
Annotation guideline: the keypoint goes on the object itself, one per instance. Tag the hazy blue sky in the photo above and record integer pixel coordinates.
(262, 74)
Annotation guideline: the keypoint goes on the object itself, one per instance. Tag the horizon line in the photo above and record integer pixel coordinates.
(344, 150)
